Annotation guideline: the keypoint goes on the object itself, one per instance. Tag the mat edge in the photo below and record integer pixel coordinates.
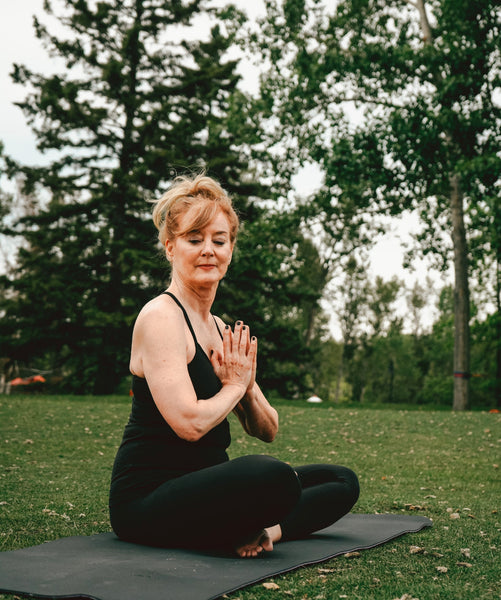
(317, 561)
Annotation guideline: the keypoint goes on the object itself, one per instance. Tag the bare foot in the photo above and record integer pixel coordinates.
(262, 541)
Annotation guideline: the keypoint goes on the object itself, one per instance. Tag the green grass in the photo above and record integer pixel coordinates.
(56, 455)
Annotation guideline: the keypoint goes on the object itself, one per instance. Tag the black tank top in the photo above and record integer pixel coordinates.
(151, 452)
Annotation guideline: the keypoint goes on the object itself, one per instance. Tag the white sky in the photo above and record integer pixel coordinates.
(19, 44)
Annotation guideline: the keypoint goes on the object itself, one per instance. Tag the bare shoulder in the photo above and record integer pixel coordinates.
(162, 320)
(159, 331)
(220, 323)
(159, 310)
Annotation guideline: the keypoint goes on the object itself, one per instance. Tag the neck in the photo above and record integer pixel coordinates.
(199, 300)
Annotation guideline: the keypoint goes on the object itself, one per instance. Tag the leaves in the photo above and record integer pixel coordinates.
(270, 585)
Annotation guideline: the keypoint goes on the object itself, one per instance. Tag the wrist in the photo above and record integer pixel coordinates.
(237, 388)
(250, 393)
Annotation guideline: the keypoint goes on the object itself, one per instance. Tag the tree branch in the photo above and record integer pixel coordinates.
(425, 23)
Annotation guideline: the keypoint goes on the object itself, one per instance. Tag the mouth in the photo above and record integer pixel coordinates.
(208, 266)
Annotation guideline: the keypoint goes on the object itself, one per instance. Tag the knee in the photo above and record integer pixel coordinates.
(279, 478)
(285, 481)
(352, 483)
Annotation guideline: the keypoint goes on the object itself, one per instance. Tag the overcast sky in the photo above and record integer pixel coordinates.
(18, 44)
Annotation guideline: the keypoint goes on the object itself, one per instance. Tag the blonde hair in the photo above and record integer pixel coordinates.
(201, 196)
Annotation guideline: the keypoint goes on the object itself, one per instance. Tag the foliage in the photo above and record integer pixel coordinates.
(384, 363)
(111, 117)
(395, 102)
(272, 257)
(140, 100)
(57, 452)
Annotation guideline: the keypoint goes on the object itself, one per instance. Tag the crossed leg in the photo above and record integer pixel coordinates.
(247, 504)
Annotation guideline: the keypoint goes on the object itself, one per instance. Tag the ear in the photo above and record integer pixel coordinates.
(169, 248)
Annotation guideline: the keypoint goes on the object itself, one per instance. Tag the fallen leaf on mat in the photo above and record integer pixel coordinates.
(351, 554)
(464, 564)
(326, 570)
(416, 550)
(406, 597)
(442, 569)
(466, 552)
(269, 585)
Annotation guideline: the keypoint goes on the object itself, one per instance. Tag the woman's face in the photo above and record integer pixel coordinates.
(202, 257)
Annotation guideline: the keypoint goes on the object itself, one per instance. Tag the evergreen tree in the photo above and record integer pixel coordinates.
(136, 104)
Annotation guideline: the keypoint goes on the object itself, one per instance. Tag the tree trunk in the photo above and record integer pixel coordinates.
(461, 291)
(461, 300)
(340, 372)
(498, 330)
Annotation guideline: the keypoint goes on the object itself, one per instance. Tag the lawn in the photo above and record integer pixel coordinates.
(56, 455)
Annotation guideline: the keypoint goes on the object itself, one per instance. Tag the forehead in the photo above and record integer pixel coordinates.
(218, 224)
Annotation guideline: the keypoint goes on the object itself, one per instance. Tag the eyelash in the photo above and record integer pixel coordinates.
(217, 242)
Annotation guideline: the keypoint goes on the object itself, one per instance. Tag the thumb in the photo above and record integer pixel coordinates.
(216, 359)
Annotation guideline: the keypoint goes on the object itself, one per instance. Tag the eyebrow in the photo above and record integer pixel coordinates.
(198, 232)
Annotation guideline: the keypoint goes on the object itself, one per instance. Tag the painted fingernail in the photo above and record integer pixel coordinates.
(239, 322)
(227, 327)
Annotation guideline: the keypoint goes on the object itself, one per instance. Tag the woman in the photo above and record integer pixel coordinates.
(172, 482)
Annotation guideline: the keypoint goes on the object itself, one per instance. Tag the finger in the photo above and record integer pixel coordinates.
(227, 340)
(216, 359)
(244, 339)
(252, 353)
(237, 334)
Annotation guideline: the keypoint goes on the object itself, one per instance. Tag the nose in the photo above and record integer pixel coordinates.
(207, 249)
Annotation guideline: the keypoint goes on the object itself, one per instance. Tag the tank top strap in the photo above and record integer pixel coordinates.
(185, 315)
(217, 327)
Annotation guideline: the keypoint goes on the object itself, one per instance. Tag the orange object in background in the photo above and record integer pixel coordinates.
(27, 380)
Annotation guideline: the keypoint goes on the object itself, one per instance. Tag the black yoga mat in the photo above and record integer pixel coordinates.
(104, 568)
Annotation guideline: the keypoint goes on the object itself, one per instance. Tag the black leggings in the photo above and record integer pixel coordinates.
(222, 505)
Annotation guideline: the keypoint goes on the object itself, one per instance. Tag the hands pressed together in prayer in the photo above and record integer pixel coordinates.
(237, 364)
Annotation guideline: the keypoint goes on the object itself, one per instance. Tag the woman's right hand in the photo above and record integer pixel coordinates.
(237, 364)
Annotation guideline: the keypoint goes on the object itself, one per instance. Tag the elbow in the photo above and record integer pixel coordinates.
(190, 432)
(271, 432)
(191, 435)
(268, 437)
(268, 434)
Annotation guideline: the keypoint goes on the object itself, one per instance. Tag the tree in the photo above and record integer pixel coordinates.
(134, 105)
(349, 298)
(272, 286)
(485, 218)
(425, 134)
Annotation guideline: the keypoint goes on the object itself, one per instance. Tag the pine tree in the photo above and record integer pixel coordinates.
(136, 104)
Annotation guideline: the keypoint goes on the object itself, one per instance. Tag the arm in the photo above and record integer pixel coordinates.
(257, 416)
(159, 351)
